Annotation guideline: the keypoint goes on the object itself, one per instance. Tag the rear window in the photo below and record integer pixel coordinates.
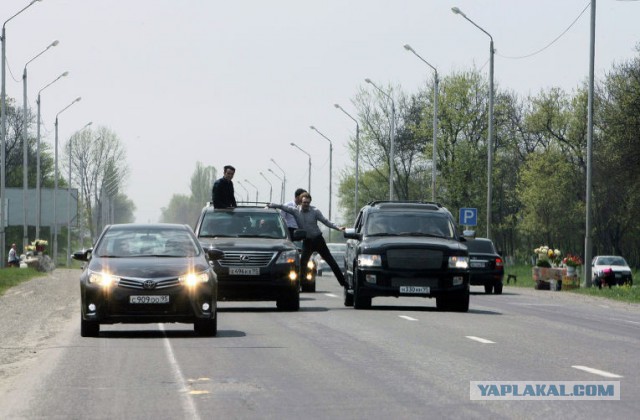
(485, 247)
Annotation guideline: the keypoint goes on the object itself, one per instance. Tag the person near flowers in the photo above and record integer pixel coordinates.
(307, 218)
(13, 259)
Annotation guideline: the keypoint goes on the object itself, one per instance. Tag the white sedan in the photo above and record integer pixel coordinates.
(610, 270)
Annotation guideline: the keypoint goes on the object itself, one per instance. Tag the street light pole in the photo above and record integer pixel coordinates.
(245, 190)
(281, 184)
(25, 137)
(490, 134)
(270, 187)
(3, 131)
(355, 198)
(330, 170)
(587, 232)
(256, 188)
(299, 148)
(435, 121)
(69, 196)
(391, 138)
(55, 188)
(38, 192)
(284, 181)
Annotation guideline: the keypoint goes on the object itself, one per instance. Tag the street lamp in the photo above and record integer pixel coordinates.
(490, 134)
(284, 181)
(25, 160)
(355, 199)
(330, 169)
(69, 196)
(245, 190)
(55, 188)
(587, 230)
(391, 138)
(281, 184)
(270, 186)
(256, 188)
(299, 148)
(435, 121)
(38, 192)
(3, 130)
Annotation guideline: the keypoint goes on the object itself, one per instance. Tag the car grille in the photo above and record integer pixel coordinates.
(131, 283)
(246, 259)
(401, 281)
(414, 259)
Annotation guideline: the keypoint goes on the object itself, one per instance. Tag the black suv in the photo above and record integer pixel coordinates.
(406, 249)
(260, 262)
(486, 265)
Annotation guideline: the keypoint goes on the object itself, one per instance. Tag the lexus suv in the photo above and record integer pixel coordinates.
(400, 249)
(260, 263)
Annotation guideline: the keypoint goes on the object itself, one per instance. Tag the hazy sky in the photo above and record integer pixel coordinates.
(220, 82)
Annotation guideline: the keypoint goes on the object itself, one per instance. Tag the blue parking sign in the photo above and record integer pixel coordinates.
(469, 217)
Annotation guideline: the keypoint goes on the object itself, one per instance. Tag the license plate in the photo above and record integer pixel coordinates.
(618, 275)
(152, 299)
(477, 264)
(244, 271)
(414, 289)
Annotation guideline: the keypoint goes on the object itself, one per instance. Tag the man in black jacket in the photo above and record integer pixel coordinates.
(222, 193)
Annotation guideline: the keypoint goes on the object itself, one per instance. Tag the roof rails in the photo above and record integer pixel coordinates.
(244, 204)
(375, 202)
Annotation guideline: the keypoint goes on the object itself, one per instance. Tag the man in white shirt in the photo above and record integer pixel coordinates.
(289, 219)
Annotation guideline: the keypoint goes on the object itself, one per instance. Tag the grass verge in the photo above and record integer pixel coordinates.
(12, 276)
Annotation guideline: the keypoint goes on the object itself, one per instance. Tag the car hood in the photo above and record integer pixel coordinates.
(248, 244)
(372, 243)
(148, 267)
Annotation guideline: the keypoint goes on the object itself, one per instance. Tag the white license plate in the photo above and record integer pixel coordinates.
(244, 271)
(414, 289)
(151, 299)
(477, 264)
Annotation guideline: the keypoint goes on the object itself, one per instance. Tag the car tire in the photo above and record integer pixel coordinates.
(206, 327)
(359, 301)
(89, 328)
(348, 297)
(453, 302)
(497, 289)
(289, 302)
(488, 288)
(309, 287)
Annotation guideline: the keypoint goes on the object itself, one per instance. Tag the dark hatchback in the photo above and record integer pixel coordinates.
(147, 273)
(486, 265)
(260, 262)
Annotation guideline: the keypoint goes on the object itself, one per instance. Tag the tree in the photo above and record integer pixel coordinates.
(186, 209)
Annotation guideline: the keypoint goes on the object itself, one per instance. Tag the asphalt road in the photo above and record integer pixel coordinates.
(401, 359)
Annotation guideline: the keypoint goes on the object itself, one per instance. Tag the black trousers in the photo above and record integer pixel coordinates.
(318, 244)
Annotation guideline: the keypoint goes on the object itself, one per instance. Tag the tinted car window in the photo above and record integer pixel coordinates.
(129, 243)
(254, 224)
(427, 223)
(480, 246)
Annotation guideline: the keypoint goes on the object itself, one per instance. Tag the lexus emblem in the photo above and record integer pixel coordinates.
(149, 284)
(244, 257)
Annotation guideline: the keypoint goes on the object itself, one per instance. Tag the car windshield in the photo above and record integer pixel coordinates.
(239, 224)
(144, 242)
(611, 261)
(485, 247)
(420, 223)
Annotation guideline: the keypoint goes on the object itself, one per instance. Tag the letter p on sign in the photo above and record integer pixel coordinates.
(469, 217)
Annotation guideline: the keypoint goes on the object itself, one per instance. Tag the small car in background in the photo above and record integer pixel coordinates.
(148, 273)
(486, 265)
(338, 252)
(610, 270)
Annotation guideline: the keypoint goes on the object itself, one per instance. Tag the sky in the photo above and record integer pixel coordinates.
(235, 82)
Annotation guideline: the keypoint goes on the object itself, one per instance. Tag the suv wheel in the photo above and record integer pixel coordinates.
(89, 328)
(309, 287)
(289, 301)
(359, 301)
(497, 289)
(454, 302)
(488, 288)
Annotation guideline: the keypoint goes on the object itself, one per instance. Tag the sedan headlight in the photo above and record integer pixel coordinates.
(310, 265)
(457, 261)
(103, 279)
(370, 260)
(192, 279)
(288, 257)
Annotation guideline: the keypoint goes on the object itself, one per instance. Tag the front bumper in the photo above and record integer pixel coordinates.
(271, 283)
(380, 282)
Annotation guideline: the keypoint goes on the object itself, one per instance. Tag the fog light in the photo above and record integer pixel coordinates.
(293, 275)
(205, 307)
(370, 278)
(309, 276)
(92, 307)
(457, 280)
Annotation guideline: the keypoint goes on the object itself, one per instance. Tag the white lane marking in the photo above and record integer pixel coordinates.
(188, 405)
(480, 340)
(597, 372)
(331, 295)
(533, 304)
(624, 320)
(408, 318)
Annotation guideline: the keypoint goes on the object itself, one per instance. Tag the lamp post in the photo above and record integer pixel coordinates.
(281, 184)
(299, 148)
(435, 121)
(587, 231)
(270, 186)
(245, 190)
(355, 198)
(3, 130)
(256, 188)
(284, 181)
(330, 170)
(25, 136)
(38, 192)
(55, 188)
(69, 196)
(490, 134)
(391, 138)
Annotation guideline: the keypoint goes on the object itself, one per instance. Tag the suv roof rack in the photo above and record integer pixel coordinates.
(376, 202)
(243, 204)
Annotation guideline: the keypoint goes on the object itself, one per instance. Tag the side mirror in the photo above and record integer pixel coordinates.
(299, 234)
(350, 233)
(214, 253)
(84, 255)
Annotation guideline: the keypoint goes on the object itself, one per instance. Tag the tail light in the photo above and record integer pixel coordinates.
(499, 263)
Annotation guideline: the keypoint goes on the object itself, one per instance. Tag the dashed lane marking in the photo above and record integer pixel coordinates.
(480, 340)
(597, 371)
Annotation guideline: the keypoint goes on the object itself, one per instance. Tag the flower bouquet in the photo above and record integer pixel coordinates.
(572, 260)
(547, 256)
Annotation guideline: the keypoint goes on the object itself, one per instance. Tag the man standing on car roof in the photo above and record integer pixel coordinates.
(307, 218)
(222, 193)
(290, 219)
